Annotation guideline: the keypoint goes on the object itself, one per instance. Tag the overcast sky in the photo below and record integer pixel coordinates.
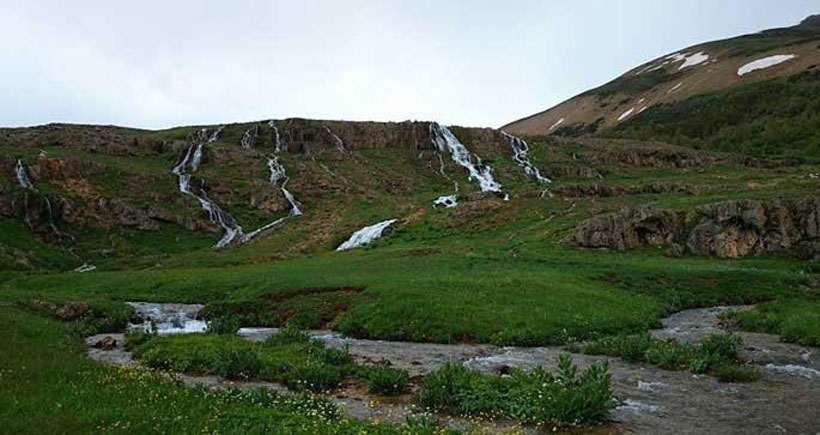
(156, 64)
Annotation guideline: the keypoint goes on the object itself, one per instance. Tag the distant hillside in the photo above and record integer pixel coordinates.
(655, 100)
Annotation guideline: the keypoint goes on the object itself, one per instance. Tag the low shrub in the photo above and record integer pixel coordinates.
(236, 363)
(229, 324)
(568, 398)
(288, 335)
(316, 377)
(669, 354)
(629, 347)
(387, 381)
(737, 373)
(136, 338)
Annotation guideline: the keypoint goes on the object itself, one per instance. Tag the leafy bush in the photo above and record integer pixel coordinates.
(715, 351)
(136, 338)
(669, 354)
(737, 373)
(288, 335)
(629, 347)
(567, 398)
(237, 363)
(387, 381)
(229, 324)
(316, 377)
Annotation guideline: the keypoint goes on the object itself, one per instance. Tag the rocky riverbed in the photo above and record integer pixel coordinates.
(651, 400)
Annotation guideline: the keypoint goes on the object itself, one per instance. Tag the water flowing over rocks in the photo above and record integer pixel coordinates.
(191, 160)
(727, 229)
(651, 400)
(366, 235)
(22, 175)
(520, 155)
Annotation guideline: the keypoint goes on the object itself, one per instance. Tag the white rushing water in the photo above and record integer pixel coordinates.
(22, 175)
(366, 235)
(277, 140)
(85, 268)
(249, 137)
(232, 231)
(445, 140)
(520, 155)
(340, 144)
(448, 201)
(167, 319)
(190, 163)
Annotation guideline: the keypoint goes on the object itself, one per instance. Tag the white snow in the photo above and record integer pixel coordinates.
(675, 88)
(795, 370)
(365, 235)
(626, 114)
(693, 60)
(520, 155)
(764, 63)
(557, 123)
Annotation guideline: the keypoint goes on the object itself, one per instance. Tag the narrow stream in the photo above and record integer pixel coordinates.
(652, 400)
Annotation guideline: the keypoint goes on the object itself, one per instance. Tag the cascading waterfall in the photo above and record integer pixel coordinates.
(277, 141)
(249, 137)
(445, 140)
(520, 155)
(340, 144)
(190, 162)
(233, 232)
(22, 175)
(366, 235)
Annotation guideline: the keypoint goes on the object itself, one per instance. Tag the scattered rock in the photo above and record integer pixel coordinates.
(106, 343)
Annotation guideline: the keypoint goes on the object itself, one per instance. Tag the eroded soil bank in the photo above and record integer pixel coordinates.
(651, 400)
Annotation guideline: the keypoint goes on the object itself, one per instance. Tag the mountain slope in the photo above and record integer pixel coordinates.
(701, 69)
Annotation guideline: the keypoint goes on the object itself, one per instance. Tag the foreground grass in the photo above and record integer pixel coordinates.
(795, 320)
(50, 387)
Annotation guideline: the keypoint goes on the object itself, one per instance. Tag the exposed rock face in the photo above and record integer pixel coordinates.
(728, 229)
(604, 191)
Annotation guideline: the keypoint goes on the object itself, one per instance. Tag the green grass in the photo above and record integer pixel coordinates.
(49, 386)
(300, 364)
(566, 398)
(796, 320)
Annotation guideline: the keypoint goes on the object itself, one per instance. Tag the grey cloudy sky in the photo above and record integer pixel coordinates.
(158, 64)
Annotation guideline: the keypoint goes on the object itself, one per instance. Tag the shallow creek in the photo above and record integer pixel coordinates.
(651, 400)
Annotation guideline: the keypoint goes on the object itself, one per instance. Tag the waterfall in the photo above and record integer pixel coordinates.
(191, 161)
(249, 137)
(365, 235)
(448, 201)
(444, 140)
(277, 141)
(22, 175)
(340, 144)
(520, 155)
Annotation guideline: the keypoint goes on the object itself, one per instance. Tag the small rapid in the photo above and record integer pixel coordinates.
(366, 235)
(22, 175)
(190, 162)
(521, 150)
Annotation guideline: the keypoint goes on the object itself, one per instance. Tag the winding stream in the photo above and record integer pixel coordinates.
(651, 400)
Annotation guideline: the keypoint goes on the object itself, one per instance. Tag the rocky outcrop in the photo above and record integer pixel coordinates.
(604, 191)
(728, 229)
